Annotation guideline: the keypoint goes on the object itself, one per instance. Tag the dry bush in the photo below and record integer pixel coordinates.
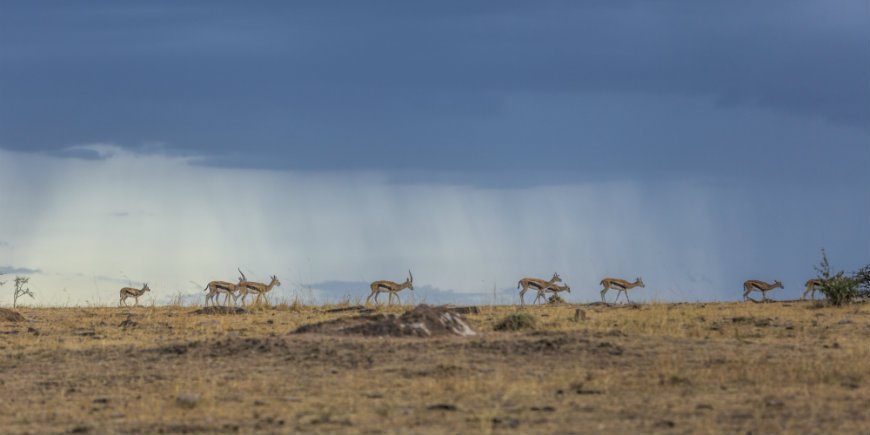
(516, 322)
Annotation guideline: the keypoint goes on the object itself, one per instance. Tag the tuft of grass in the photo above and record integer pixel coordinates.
(555, 299)
(516, 322)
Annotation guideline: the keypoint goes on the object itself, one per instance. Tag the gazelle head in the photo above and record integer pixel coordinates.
(242, 278)
(556, 277)
(639, 282)
(567, 288)
(145, 288)
(410, 280)
(778, 284)
(275, 281)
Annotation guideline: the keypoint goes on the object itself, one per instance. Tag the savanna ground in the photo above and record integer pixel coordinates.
(672, 368)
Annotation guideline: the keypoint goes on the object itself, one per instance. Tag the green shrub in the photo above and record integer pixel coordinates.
(862, 279)
(516, 322)
(837, 287)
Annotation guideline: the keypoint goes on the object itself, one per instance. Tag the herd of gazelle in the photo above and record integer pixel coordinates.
(240, 290)
(244, 287)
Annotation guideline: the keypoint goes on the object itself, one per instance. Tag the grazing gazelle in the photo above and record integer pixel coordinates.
(259, 288)
(756, 285)
(127, 292)
(621, 286)
(812, 285)
(555, 288)
(537, 284)
(393, 288)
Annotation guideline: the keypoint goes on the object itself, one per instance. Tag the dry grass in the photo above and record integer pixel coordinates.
(700, 368)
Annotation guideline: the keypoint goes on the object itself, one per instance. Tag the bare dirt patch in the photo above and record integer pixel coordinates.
(421, 321)
(220, 310)
(651, 368)
(10, 316)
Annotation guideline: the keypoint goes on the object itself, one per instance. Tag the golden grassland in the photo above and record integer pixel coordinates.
(670, 368)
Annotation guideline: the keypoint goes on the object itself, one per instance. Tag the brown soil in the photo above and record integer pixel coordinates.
(421, 321)
(10, 316)
(220, 310)
(678, 368)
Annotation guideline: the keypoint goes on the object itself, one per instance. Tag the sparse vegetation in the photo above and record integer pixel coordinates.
(21, 289)
(714, 367)
(862, 279)
(555, 299)
(516, 322)
(837, 287)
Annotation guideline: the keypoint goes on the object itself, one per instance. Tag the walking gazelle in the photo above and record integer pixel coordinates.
(813, 285)
(393, 288)
(761, 286)
(621, 286)
(215, 288)
(538, 284)
(258, 288)
(554, 288)
(134, 293)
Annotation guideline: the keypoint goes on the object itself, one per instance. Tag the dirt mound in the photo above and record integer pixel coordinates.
(422, 321)
(10, 316)
(220, 310)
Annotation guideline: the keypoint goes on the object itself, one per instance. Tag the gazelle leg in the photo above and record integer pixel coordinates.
(368, 299)
(626, 297)
(603, 292)
(522, 296)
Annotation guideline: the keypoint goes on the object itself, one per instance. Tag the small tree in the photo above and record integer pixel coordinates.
(862, 279)
(21, 290)
(837, 287)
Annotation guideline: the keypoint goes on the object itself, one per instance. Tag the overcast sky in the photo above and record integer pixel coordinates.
(694, 144)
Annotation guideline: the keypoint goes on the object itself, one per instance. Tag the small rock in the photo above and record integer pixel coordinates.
(664, 424)
(774, 403)
(442, 407)
(187, 401)
(506, 422)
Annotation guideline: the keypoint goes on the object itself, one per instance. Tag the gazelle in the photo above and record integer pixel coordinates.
(393, 288)
(756, 285)
(812, 285)
(621, 286)
(259, 288)
(555, 288)
(215, 288)
(537, 284)
(127, 292)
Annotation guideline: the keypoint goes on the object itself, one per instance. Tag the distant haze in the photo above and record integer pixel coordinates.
(695, 145)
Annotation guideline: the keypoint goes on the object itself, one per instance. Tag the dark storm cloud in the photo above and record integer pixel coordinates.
(445, 86)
